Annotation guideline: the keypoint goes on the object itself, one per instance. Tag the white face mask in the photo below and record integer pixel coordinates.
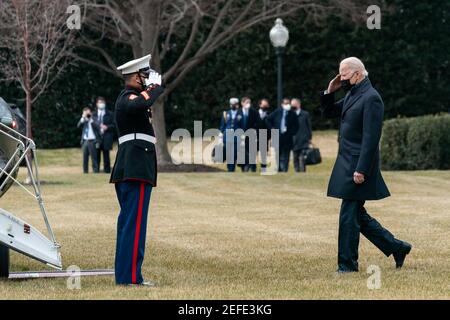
(287, 107)
(101, 106)
(262, 113)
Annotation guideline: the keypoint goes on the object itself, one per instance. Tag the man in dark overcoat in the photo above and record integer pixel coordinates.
(303, 137)
(356, 176)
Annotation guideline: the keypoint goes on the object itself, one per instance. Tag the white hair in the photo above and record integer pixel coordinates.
(234, 101)
(355, 64)
(297, 99)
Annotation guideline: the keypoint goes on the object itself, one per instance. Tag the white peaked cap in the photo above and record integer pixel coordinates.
(234, 100)
(134, 66)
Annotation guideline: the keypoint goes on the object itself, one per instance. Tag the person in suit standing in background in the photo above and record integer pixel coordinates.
(231, 120)
(303, 137)
(356, 176)
(90, 140)
(250, 120)
(263, 111)
(285, 120)
(105, 121)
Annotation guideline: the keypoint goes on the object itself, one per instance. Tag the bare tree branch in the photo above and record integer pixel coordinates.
(37, 42)
(151, 26)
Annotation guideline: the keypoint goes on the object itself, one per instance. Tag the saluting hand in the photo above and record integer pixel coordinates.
(154, 78)
(358, 178)
(334, 84)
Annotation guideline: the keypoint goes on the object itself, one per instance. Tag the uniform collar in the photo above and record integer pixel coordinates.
(128, 87)
(362, 86)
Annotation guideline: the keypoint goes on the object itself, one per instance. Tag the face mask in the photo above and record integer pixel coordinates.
(262, 113)
(233, 107)
(346, 85)
(101, 106)
(287, 107)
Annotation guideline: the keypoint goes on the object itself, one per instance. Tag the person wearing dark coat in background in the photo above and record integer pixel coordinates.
(250, 120)
(105, 120)
(284, 120)
(90, 140)
(231, 120)
(356, 175)
(263, 111)
(303, 137)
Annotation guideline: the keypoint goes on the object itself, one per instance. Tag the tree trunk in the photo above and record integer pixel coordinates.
(28, 114)
(159, 124)
(159, 121)
(150, 36)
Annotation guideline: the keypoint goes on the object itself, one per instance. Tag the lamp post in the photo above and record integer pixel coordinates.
(279, 36)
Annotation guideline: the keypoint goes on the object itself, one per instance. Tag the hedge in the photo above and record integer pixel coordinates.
(419, 143)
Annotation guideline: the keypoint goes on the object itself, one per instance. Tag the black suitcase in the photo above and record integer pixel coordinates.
(313, 156)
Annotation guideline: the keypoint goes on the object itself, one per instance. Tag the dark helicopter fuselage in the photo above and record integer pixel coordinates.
(12, 118)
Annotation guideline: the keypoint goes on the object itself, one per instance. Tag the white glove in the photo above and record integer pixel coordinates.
(153, 78)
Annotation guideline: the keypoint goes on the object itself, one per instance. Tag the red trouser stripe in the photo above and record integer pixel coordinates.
(137, 233)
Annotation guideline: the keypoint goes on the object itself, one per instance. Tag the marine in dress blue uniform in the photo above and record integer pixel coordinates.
(134, 173)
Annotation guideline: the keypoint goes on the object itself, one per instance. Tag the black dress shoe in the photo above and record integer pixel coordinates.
(143, 284)
(400, 254)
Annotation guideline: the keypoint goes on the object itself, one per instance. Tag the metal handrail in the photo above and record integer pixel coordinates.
(28, 146)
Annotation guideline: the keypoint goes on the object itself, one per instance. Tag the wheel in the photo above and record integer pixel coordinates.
(4, 261)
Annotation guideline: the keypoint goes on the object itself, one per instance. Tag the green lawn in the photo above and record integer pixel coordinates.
(233, 236)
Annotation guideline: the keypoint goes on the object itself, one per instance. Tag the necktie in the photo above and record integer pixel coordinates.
(245, 119)
(86, 131)
(283, 122)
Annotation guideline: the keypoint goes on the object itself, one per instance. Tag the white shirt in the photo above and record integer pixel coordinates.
(100, 115)
(89, 135)
(233, 114)
(298, 111)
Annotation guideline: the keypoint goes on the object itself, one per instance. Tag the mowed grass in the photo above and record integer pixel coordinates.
(237, 236)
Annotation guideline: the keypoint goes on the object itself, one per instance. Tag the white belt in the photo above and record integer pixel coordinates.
(137, 136)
